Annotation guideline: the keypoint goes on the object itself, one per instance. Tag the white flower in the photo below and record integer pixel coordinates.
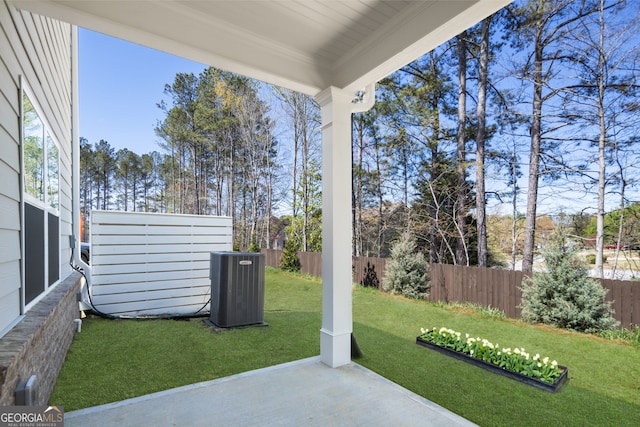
(483, 344)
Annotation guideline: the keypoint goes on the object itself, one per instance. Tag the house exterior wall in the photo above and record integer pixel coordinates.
(35, 336)
(38, 50)
(154, 264)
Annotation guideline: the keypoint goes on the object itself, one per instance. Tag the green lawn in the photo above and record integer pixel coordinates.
(114, 360)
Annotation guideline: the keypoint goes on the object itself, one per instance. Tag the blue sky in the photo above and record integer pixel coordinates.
(120, 86)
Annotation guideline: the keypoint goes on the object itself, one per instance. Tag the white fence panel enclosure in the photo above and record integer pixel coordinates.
(149, 264)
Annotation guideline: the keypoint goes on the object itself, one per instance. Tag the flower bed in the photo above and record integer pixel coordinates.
(514, 363)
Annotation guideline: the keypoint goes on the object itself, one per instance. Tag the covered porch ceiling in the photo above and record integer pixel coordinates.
(303, 45)
(326, 49)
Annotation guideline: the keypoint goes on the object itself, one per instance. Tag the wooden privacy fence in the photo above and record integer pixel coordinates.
(487, 287)
(367, 271)
(626, 300)
(310, 262)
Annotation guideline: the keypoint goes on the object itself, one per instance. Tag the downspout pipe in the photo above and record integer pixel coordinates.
(75, 155)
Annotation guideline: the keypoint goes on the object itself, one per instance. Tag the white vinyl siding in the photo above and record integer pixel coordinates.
(38, 50)
(154, 264)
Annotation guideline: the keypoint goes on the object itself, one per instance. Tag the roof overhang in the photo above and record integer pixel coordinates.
(303, 45)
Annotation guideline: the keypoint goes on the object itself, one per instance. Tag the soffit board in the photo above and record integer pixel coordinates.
(304, 45)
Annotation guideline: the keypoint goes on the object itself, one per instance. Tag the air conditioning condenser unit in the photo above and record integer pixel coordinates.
(237, 289)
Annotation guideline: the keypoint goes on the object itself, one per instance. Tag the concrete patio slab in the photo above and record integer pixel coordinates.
(301, 393)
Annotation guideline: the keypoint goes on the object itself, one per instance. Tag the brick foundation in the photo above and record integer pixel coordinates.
(39, 343)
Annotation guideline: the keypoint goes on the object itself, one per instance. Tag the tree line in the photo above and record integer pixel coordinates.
(542, 95)
(218, 157)
(538, 98)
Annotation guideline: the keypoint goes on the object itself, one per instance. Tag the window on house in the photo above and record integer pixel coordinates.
(41, 174)
(53, 174)
(33, 129)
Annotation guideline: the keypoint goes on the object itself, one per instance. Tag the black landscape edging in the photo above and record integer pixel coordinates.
(497, 369)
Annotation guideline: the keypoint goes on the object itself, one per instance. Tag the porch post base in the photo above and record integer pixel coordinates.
(335, 349)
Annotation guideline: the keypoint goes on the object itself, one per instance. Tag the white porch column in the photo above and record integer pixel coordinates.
(335, 335)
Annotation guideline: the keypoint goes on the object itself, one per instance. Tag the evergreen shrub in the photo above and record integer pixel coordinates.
(407, 270)
(591, 258)
(253, 246)
(289, 260)
(565, 296)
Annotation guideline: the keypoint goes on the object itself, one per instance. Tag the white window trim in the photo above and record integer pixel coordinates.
(25, 89)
